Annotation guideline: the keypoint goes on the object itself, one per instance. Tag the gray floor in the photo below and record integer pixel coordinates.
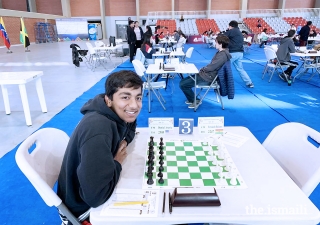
(62, 83)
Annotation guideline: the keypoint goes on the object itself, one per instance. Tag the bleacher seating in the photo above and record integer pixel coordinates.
(188, 26)
(298, 21)
(277, 24)
(166, 25)
(252, 25)
(205, 24)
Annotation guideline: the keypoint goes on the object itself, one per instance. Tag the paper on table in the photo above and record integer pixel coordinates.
(232, 139)
(132, 202)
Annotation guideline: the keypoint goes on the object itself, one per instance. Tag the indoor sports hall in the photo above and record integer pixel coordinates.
(257, 111)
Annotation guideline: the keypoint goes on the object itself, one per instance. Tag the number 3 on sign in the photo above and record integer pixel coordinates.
(186, 126)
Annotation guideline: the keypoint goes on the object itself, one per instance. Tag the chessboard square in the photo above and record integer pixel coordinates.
(229, 180)
(180, 153)
(198, 148)
(194, 169)
(173, 175)
(179, 148)
(181, 158)
(205, 169)
(188, 148)
(169, 143)
(203, 163)
(173, 182)
(197, 183)
(201, 158)
(165, 182)
(206, 175)
(184, 176)
(187, 143)
(170, 153)
(170, 148)
(171, 163)
(182, 163)
(195, 176)
(172, 169)
(178, 143)
(183, 169)
(171, 158)
(209, 182)
(215, 175)
(185, 182)
(197, 143)
(191, 158)
(189, 153)
(192, 163)
(214, 148)
(199, 153)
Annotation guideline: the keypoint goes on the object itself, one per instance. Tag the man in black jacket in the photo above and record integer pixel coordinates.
(131, 39)
(91, 165)
(236, 50)
(304, 34)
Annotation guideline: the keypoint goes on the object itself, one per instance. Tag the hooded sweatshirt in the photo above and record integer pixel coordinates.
(236, 40)
(286, 47)
(209, 72)
(89, 172)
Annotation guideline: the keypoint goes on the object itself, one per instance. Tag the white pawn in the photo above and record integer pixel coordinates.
(233, 180)
(220, 169)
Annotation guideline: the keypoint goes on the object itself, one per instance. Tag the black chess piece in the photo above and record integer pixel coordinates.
(149, 172)
(161, 141)
(161, 157)
(151, 143)
(161, 181)
(161, 150)
(161, 168)
(160, 174)
(150, 180)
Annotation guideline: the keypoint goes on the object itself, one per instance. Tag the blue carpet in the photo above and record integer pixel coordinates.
(259, 109)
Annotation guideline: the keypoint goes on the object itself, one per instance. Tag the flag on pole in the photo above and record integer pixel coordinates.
(4, 35)
(24, 39)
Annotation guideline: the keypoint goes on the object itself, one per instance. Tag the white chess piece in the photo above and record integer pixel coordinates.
(233, 180)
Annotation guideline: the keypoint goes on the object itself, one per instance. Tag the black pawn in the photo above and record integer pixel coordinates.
(161, 168)
(161, 150)
(150, 180)
(151, 143)
(161, 181)
(161, 141)
(161, 157)
(160, 174)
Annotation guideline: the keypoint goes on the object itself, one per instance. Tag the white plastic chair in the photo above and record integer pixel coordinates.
(42, 165)
(149, 84)
(289, 146)
(95, 57)
(188, 54)
(275, 65)
(99, 44)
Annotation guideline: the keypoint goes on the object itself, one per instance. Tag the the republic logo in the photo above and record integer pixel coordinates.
(197, 40)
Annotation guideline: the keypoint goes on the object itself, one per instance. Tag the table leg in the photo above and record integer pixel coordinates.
(25, 103)
(42, 100)
(6, 99)
(195, 93)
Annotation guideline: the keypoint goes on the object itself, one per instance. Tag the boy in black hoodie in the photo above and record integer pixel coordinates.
(91, 165)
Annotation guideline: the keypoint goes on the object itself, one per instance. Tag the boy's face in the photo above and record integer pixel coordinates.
(126, 103)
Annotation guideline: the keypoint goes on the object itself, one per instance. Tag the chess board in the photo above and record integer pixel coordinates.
(193, 164)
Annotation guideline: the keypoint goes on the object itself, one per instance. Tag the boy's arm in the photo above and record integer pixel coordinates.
(216, 63)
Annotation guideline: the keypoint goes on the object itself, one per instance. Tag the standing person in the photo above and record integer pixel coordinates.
(236, 50)
(208, 73)
(263, 38)
(304, 33)
(95, 153)
(129, 19)
(131, 39)
(139, 36)
(283, 53)
(148, 31)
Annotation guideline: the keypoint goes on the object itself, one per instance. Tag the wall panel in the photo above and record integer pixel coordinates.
(49, 7)
(225, 5)
(120, 7)
(197, 5)
(300, 4)
(85, 8)
(154, 5)
(20, 5)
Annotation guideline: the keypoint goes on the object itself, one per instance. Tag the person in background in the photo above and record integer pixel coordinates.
(131, 39)
(247, 39)
(283, 53)
(139, 36)
(97, 148)
(176, 35)
(129, 19)
(181, 42)
(293, 27)
(263, 38)
(236, 51)
(148, 31)
(259, 24)
(208, 73)
(147, 49)
(304, 34)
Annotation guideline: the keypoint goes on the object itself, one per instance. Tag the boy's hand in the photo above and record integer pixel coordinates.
(122, 152)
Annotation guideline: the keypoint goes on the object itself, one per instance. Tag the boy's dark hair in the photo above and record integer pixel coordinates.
(147, 40)
(223, 39)
(291, 33)
(122, 79)
(233, 23)
(131, 22)
(265, 30)
(244, 32)
(309, 23)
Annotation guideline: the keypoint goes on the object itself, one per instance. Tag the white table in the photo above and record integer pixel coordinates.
(21, 78)
(179, 68)
(315, 66)
(270, 195)
(108, 50)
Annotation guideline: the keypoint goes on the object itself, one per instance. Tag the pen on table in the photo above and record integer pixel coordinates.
(130, 203)
(170, 203)
(164, 202)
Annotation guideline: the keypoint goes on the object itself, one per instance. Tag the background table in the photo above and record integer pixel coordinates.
(270, 197)
(21, 78)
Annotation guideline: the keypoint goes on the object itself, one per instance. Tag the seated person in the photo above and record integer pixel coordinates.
(208, 73)
(283, 53)
(95, 153)
(263, 38)
(247, 39)
(181, 42)
(176, 35)
(147, 50)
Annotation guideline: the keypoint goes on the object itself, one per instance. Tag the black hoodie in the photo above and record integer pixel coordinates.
(89, 172)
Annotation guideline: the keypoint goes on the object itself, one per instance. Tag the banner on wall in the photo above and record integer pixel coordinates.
(195, 39)
(72, 29)
(92, 30)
